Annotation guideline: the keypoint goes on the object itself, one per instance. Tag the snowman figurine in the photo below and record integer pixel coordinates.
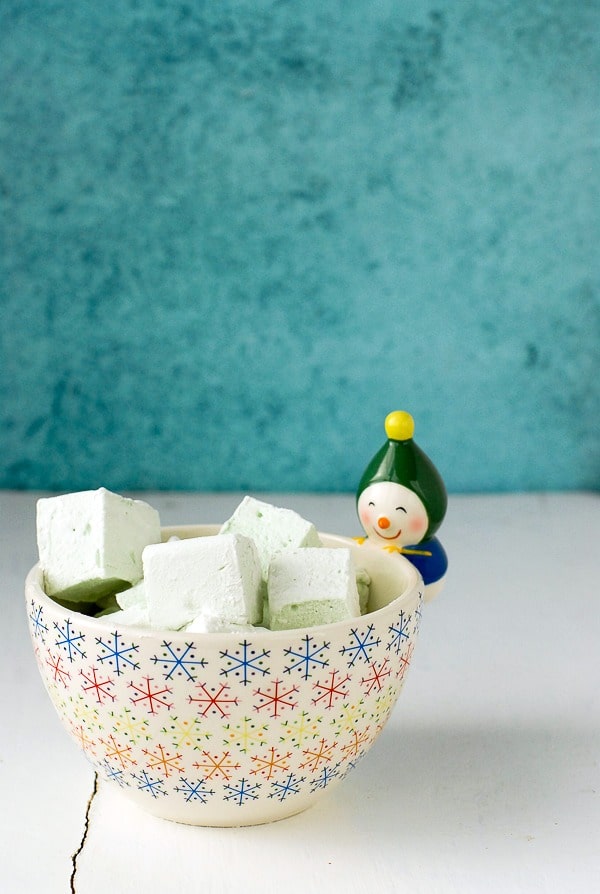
(401, 502)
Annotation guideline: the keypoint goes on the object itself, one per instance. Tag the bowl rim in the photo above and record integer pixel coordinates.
(414, 582)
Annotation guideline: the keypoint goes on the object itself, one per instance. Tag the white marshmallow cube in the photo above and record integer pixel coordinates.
(217, 576)
(272, 529)
(90, 543)
(308, 586)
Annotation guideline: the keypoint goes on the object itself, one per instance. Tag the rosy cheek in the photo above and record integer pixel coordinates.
(365, 517)
(418, 526)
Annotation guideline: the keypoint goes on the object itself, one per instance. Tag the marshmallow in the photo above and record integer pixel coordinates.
(363, 585)
(90, 543)
(312, 586)
(134, 616)
(134, 596)
(272, 529)
(217, 576)
(266, 620)
(210, 624)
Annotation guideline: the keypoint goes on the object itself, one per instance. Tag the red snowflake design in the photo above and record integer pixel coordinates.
(377, 675)
(59, 673)
(268, 766)
(276, 698)
(215, 700)
(320, 754)
(154, 697)
(405, 661)
(216, 766)
(332, 689)
(100, 688)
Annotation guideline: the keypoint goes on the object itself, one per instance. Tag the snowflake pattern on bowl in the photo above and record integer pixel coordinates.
(224, 729)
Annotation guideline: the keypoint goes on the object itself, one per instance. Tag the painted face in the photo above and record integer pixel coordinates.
(392, 514)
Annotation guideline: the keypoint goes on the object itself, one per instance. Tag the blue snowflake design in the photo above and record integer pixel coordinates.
(117, 654)
(179, 661)
(308, 658)
(148, 784)
(242, 791)
(194, 791)
(37, 620)
(114, 773)
(324, 778)
(69, 640)
(289, 786)
(245, 662)
(361, 645)
(400, 632)
(352, 763)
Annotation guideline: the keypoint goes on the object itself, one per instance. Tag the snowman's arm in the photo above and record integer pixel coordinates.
(416, 552)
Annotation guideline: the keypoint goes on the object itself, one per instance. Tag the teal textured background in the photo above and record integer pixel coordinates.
(236, 234)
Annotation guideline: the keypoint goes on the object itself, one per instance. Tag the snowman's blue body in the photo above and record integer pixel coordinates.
(429, 558)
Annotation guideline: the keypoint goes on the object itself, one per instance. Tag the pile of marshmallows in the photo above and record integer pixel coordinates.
(101, 553)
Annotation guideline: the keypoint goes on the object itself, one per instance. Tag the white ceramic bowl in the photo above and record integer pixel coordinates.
(223, 729)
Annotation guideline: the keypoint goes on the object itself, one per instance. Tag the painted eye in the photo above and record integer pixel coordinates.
(371, 503)
(402, 508)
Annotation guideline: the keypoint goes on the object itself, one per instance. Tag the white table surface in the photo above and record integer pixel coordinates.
(486, 777)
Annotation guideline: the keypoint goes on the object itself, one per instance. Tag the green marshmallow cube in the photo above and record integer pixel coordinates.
(210, 624)
(133, 597)
(90, 543)
(217, 576)
(272, 529)
(309, 586)
(363, 585)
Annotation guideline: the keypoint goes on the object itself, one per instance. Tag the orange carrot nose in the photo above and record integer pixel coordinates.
(383, 522)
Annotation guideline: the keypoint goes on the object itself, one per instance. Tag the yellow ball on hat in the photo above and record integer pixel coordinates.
(399, 425)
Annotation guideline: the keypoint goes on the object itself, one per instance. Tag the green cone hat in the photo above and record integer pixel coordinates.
(402, 461)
